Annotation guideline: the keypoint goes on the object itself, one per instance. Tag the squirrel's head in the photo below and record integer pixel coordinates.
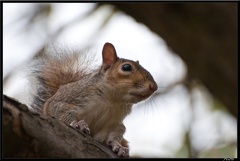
(129, 79)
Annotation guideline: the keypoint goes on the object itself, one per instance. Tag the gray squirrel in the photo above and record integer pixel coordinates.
(92, 101)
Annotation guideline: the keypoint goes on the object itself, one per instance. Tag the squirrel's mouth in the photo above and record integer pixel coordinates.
(140, 96)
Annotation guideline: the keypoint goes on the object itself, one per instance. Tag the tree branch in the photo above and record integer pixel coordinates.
(31, 135)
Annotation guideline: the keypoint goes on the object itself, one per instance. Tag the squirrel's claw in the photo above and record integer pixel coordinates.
(118, 149)
(81, 126)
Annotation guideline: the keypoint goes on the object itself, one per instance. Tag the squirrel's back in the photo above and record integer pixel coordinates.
(53, 67)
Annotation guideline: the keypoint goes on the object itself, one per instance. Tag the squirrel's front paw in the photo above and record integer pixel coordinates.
(118, 148)
(81, 126)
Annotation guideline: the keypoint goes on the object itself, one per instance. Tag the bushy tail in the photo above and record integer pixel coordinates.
(52, 68)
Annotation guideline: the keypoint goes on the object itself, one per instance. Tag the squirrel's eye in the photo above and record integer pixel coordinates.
(126, 67)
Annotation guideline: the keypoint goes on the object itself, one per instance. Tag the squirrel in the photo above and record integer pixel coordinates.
(92, 101)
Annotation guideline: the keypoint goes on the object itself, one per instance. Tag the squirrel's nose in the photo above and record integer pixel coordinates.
(153, 86)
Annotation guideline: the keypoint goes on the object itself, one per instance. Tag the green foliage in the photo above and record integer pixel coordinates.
(228, 151)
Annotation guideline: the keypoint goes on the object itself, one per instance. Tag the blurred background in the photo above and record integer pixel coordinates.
(189, 48)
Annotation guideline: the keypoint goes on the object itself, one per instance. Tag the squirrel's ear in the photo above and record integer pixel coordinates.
(109, 55)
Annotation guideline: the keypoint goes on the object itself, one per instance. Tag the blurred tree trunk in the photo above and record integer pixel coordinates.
(205, 37)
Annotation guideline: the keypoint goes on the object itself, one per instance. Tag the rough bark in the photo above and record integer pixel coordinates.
(204, 35)
(30, 135)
